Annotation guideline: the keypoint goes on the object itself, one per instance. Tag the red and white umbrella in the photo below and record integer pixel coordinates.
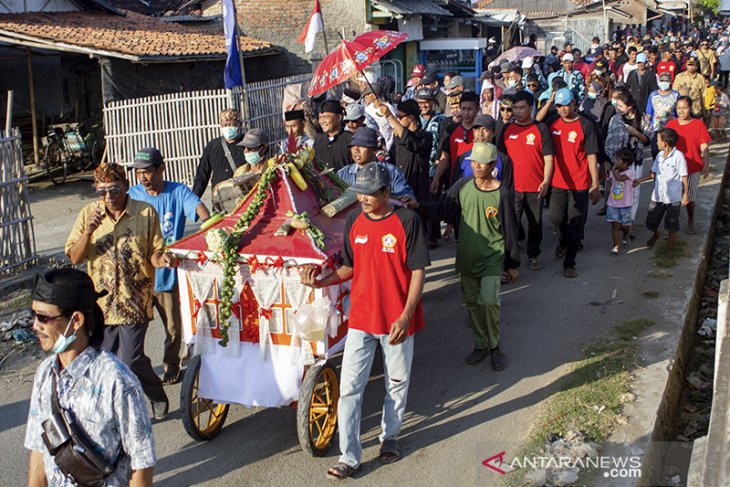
(351, 57)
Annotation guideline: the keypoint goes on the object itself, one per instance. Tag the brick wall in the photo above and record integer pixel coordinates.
(281, 21)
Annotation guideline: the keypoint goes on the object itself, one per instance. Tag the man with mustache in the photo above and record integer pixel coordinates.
(173, 202)
(384, 253)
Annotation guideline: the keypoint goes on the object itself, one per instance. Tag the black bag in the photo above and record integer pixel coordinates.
(71, 450)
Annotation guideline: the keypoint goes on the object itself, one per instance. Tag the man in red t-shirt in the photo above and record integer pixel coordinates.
(694, 142)
(385, 254)
(575, 179)
(666, 65)
(530, 148)
(459, 138)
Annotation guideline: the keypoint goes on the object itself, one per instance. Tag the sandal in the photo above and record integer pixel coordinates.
(342, 471)
(504, 278)
(560, 252)
(535, 265)
(570, 272)
(169, 378)
(389, 452)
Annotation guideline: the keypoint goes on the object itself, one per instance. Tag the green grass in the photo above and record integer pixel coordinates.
(650, 294)
(596, 382)
(659, 274)
(661, 255)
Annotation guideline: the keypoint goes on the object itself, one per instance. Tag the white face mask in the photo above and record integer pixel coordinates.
(229, 133)
(510, 83)
(63, 341)
(663, 85)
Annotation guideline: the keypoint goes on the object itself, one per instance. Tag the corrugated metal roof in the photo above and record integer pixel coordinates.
(413, 7)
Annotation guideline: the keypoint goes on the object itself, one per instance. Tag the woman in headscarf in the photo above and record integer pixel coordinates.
(489, 101)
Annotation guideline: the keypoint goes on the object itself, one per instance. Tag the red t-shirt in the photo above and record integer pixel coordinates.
(458, 141)
(382, 254)
(691, 136)
(526, 145)
(573, 141)
(666, 67)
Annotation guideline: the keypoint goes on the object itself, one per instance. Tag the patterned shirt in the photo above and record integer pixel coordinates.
(576, 82)
(119, 260)
(661, 108)
(105, 400)
(432, 127)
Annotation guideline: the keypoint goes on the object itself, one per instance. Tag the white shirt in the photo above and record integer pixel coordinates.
(386, 131)
(627, 68)
(669, 171)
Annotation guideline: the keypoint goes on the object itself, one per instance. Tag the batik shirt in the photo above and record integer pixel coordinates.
(119, 260)
(576, 82)
(432, 127)
(106, 402)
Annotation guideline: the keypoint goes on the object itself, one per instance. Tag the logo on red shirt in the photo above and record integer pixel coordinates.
(361, 239)
(389, 242)
(572, 136)
(531, 139)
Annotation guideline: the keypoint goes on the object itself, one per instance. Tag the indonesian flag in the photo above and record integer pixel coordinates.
(314, 25)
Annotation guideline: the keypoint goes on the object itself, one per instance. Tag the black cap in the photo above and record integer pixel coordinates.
(409, 107)
(428, 78)
(364, 137)
(424, 94)
(374, 88)
(486, 121)
(294, 115)
(350, 93)
(331, 106)
(371, 178)
(147, 157)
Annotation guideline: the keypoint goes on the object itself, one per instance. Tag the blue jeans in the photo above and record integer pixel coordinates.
(356, 364)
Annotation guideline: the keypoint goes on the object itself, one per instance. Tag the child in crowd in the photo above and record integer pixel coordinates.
(620, 188)
(719, 114)
(671, 188)
(709, 101)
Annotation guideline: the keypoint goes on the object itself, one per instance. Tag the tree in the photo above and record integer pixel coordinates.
(712, 5)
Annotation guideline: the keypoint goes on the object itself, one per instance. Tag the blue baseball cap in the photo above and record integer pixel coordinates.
(365, 137)
(563, 96)
(641, 58)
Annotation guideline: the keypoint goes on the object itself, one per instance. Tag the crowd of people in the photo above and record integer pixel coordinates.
(540, 134)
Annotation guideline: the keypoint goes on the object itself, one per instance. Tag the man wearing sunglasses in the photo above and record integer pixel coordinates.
(122, 242)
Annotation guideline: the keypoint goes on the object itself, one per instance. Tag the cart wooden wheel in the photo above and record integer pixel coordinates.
(202, 418)
(317, 409)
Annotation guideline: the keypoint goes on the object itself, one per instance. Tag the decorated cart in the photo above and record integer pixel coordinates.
(260, 337)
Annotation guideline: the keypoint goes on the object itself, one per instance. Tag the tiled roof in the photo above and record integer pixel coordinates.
(155, 7)
(544, 14)
(410, 7)
(133, 36)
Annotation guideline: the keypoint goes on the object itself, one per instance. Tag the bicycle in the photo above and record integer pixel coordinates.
(68, 151)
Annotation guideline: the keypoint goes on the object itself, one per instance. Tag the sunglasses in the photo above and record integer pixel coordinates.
(505, 109)
(43, 318)
(101, 192)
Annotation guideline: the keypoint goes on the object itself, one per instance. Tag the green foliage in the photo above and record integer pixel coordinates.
(712, 5)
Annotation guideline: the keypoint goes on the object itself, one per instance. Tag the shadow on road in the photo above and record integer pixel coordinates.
(13, 414)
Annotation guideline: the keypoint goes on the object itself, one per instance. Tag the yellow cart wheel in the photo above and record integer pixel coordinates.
(317, 409)
(202, 418)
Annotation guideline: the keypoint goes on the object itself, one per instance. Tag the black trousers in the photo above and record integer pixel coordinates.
(530, 205)
(724, 78)
(127, 343)
(568, 211)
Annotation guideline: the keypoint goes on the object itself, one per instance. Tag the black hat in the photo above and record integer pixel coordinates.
(429, 77)
(374, 88)
(147, 157)
(294, 115)
(331, 106)
(409, 107)
(364, 137)
(424, 94)
(370, 179)
(350, 93)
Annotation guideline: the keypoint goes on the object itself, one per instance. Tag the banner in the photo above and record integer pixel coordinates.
(232, 72)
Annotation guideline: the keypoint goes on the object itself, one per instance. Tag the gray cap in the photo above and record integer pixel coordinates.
(254, 138)
(370, 179)
(454, 82)
(486, 121)
(354, 111)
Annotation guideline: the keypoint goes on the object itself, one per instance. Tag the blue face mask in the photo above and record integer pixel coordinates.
(252, 158)
(229, 133)
(63, 341)
(663, 85)
(592, 95)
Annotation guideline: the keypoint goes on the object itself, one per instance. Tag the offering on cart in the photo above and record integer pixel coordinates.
(260, 337)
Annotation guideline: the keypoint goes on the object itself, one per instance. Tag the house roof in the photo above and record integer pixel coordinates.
(133, 36)
(413, 7)
(156, 7)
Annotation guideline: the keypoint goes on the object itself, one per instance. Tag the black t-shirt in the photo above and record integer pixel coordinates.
(412, 153)
(214, 165)
(334, 153)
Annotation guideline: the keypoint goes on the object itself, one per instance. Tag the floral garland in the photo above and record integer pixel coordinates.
(230, 250)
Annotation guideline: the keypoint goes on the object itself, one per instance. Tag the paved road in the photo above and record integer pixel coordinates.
(458, 415)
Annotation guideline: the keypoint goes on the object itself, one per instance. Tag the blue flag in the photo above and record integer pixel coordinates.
(232, 73)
